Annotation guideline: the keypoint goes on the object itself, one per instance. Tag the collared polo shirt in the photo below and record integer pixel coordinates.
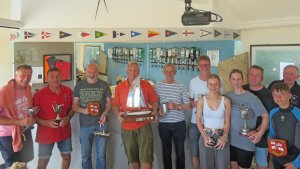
(44, 99)
(121, 94)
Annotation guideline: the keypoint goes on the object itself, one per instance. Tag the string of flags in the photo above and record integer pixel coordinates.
(125, 34)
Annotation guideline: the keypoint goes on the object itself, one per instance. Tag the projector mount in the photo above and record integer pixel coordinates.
(193, 16)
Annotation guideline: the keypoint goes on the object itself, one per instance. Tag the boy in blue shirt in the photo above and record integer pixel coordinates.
(283, 122)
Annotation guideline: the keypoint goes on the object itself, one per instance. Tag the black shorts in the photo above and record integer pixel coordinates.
(26, 154)
(242, 157)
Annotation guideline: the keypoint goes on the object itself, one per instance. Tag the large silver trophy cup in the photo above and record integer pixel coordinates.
(213, 135)
(57, 108)
(245, 117)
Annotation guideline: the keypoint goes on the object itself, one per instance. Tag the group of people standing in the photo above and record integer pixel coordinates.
(214, 134)
(52, 108)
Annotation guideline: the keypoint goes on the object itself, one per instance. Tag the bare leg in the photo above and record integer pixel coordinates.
(196, 162)
(66, 160)
(146, 165)
(42, 163)
(259, 167)
(233, 165)
(135, 165)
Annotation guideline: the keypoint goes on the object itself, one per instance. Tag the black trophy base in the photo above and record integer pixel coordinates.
(58, 121)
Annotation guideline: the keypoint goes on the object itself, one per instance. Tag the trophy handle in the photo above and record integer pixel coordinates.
(37, 109)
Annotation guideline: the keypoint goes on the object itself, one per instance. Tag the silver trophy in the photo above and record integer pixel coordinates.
(164, 108)
(57, 108)
(245, 117)
(213, 135)
(31, 111)
(102, 133)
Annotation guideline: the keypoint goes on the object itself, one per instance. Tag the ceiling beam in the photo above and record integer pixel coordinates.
(7, 23)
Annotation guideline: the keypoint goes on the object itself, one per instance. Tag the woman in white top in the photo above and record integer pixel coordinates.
(213, 121)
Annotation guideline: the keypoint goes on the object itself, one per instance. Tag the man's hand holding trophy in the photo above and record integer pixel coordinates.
(57, 108)
(29, 121)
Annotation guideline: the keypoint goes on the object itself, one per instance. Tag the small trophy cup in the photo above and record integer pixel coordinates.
(31, 111)
(57, 108)
(164, 108)
(210, 133)
(245, 116)
(213, 135)
(101, 133)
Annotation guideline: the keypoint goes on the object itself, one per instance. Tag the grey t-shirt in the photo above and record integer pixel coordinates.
(255, 107)
(86, 92)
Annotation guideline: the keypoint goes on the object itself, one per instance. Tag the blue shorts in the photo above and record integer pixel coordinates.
(261, 157)
(194, 136)
(64, 146)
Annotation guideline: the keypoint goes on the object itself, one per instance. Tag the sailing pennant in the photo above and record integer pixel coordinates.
(117, 34)
(45, 35)
(99, 34)
(235, 35)
(152, 34)
(186, 33)
(204, 33)
(28, 35)
(63, 34)
(133, 33)
(83, 34)
(217, 33)
(169, 33)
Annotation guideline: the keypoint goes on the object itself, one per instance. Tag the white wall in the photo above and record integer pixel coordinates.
(6, 57)
(277, 35)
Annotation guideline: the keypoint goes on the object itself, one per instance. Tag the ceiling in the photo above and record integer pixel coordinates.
(260, 13)
(246, 13)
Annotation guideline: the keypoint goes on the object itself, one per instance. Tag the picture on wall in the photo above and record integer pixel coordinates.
(61, 61)
(273, 58)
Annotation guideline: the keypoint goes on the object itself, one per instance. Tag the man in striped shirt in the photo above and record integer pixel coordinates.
(172, 124)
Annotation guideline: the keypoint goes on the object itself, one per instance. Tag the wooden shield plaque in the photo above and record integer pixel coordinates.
(277, 147)
(93, 108)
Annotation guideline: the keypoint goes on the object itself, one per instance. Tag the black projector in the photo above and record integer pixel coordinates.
(196, 18)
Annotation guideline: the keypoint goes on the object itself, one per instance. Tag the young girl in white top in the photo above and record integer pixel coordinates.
(213, 121)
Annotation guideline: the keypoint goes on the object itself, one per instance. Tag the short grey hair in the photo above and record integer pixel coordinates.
(291, 66)
(133, 63)
(170, 65)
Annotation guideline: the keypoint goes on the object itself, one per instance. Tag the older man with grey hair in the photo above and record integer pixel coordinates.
(290, 76)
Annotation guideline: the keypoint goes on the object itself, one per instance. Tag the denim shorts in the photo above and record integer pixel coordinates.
(261, 157)
(64, 146)
(194, 136)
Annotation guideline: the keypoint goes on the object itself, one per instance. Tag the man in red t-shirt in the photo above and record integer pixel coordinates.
(137, 136)
(54, 101)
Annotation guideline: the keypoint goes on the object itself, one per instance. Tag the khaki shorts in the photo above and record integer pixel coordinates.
(138, 144)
